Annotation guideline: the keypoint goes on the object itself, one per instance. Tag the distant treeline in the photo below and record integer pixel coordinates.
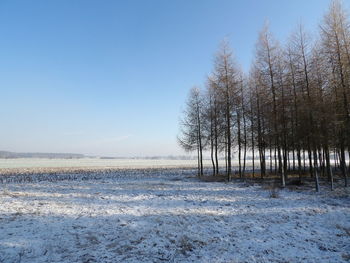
(11, 155)
(292, 105)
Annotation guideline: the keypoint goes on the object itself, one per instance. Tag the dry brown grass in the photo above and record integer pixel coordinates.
(210, 178)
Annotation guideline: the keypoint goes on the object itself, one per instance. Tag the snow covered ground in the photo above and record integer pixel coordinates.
(96, 163)
(170, 217)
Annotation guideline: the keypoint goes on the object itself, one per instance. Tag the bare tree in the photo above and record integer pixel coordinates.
(191, 133)
(267, 59)
(335, 42)
(225, 73)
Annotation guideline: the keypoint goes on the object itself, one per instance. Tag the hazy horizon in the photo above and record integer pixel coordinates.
(110, 78)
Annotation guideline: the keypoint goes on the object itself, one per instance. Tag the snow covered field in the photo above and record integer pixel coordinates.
(95, 163)
(168, 216)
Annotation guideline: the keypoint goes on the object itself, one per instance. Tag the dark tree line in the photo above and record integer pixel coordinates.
(292, 110)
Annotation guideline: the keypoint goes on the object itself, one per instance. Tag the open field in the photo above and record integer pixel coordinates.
(169, 216)
(95, 163)
(67, 167)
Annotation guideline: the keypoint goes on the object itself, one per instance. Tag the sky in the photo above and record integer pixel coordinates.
(111, 77)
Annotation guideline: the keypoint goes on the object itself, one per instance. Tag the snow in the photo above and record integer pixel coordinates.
(96, 163)
(169, 216)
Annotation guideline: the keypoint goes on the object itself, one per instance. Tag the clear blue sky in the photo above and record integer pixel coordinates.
(111, 77)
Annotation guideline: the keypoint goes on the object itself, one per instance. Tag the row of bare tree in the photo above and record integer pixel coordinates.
(292, 109)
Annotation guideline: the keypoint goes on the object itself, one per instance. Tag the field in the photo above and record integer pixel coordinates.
(94, 163)
(168, 215)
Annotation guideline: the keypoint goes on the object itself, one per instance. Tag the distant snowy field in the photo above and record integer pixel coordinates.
(95, 163)
(169, 216)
